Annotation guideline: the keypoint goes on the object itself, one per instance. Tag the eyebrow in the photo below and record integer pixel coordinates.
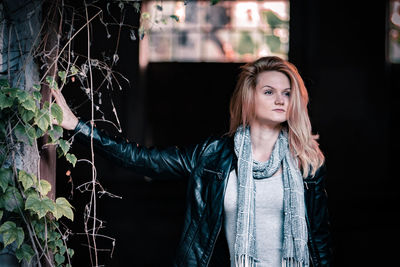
(275, 88)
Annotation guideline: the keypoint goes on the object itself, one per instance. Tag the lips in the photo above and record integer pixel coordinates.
(279, 110)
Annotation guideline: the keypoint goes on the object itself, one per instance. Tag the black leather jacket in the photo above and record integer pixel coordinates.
(207, 167)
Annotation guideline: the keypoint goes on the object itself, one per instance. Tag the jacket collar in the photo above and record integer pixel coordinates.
(223, 161)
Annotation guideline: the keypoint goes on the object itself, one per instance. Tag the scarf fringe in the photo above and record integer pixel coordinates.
(245, 261)
(294, 224)
(248, 261)
(291, 262)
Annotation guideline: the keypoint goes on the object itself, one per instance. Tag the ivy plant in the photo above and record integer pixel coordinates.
(29, 218)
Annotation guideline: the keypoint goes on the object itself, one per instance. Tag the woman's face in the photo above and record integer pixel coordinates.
(271, 98)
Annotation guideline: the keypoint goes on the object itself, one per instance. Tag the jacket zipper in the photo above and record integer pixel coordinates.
(219, 174)
(212, 250)
(219, 230)
(310, 237)
(306, 184)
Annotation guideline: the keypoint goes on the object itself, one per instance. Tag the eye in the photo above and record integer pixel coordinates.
(268, 92)
(287, 93)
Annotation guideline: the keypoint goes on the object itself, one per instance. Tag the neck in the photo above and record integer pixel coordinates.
(263, 138)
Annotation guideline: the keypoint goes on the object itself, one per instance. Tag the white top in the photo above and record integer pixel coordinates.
(269, 218)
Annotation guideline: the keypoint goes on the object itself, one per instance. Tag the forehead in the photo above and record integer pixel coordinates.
(275, 79)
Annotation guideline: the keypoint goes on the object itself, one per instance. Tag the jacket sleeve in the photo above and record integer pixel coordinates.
(168, 163)
(319, 217)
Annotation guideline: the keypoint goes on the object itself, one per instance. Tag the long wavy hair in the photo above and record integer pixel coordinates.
(302, 143)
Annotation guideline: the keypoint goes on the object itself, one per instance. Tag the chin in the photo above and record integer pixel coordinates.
(270, 123)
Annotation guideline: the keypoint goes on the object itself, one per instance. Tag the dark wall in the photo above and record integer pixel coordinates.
(339, 49)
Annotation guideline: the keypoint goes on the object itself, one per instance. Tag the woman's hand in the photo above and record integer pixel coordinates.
(69, 121)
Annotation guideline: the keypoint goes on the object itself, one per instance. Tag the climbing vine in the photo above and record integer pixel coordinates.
(31, 222)
(31, 217)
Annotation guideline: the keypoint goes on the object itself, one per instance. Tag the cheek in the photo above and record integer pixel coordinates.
(287, 101)
(266, 102)
(263, 106)
(260, 103)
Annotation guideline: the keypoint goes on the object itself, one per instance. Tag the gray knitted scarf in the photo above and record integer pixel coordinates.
(295, 250)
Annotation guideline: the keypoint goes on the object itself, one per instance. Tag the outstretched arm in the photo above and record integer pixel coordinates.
(171, 162)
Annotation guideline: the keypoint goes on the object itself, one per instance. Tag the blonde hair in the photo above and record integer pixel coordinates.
(302, 143)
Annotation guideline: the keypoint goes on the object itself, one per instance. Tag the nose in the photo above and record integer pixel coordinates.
(279, 100)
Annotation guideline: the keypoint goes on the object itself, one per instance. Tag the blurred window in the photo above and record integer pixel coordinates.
(394, 32)
(230, 31)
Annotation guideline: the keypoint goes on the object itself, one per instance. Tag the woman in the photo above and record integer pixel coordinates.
(256, 195)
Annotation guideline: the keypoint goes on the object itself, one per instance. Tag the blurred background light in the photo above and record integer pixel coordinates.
(230, 31)
(394, 32)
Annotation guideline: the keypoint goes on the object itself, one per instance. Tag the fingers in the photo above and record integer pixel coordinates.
(58, 97)
(56, 94)
(69, 121)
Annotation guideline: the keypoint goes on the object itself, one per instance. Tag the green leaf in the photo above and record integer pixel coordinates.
(11, 92)
(36, 87)
(52, 82)
(74, 70)
(31, 133)
(24, 134)
(12, 233)
(51, 244)
(13, 200)
(5, 178)
(4, 83)
(56, 112)
(27, 180)
(44, 187)
(43, 120)
(59, 151)
(39, 132)
(5, 101)
(29, 104)
(55, 133)
(64, 145)
(37, 95)
(61, 247)
(145, 15)
(22, 95)
(63, 208)
(136, 5)
(19, 131)
(39, 226)
(175, 17)
(62, 75)
(1, 214)
(70, 252)
(26, 115)
(46, 105)
(53, 236)
(40, 206)
(71, 158)
(59, 258)
(59, 243)
(25, 252)
(31, 191)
